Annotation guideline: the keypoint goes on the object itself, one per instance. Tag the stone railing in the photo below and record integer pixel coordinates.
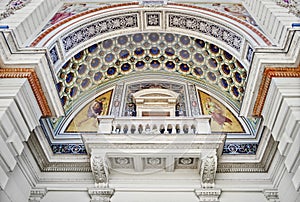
(154, 125)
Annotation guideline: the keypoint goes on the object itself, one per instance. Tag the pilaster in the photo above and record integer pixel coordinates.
(282, 118)
(19, 116)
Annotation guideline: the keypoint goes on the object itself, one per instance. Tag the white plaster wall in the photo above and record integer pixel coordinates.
(154, 197)
(242, 197)
(134, 196)
(66, 196)
(17, 188)
(286, 190)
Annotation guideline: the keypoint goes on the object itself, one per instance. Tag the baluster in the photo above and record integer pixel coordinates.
(166, 129)
(181, 126)
(136, 129)
(173, 129)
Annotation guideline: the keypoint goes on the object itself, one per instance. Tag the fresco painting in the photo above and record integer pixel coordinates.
(222, 119)
(86, 119)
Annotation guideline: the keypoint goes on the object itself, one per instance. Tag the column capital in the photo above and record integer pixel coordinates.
(271, 195)
(101, 194)
(36, 194)
(208, 195)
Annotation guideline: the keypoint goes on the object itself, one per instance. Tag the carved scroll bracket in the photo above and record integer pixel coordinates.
(100, 171)
(208, 171)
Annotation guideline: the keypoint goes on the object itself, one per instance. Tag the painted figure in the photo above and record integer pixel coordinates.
(216, 112)
(95, 109)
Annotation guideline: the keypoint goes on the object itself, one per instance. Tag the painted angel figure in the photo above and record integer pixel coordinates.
(95, 109)
(217, 112)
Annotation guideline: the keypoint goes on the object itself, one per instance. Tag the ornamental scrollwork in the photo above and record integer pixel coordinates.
(99, 27)
(208, 171)
(100, 171)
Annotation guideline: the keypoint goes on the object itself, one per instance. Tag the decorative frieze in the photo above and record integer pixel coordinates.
(54, 54)
(153, 19)
(249, 54)
(141, 154)
(68, 148)
(240, 148)
(195, 111)
(187, 163)
(94, 29)
(205, 27)
(117, 100)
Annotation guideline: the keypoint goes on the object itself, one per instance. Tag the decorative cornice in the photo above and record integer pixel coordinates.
(268, 74)
(43, 35)
(256, 167)
(29, 74)
(47, 165)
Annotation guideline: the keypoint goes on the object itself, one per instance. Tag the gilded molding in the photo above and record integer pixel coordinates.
(29, 74)
(268, 74)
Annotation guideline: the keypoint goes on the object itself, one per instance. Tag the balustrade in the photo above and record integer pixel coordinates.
(154, 125)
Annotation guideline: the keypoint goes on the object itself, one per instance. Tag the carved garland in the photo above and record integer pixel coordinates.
(29, 74)
(269, 73)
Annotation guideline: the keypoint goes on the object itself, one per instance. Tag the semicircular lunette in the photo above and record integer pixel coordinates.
(158, 52)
